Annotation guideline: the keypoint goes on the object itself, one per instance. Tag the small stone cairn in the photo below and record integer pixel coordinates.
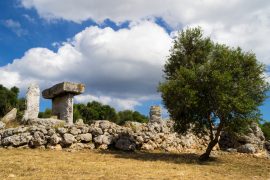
(155, 114)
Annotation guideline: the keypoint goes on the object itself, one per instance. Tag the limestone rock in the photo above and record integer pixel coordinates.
(63, 88)
(74, 131)
(155, 114)
(68, 139)
(17, 140)
(32, 102)
(253, 139)
(79, 122)
(103, 139)
(54, 139)
(10, 116)
(45, 122)
(38, 139)
(2, 125)
(246, 148)
(85, 137)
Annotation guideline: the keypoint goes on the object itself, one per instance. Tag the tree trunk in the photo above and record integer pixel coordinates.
(205, 156)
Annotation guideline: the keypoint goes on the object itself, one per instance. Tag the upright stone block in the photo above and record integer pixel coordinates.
(62, 99)
(32, 102)
(155, 114)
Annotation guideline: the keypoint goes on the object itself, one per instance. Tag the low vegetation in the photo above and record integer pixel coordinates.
(46, 164)
(266, 130)
(97, 111)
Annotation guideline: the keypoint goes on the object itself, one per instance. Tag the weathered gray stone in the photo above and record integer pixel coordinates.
(54, 139)
(38, 139)
(79, 122)
(63, 88)
(103, 139)
(17, 140)
(62, 130)
(68, 139)
(124, 143)
(246, 148)
(62, 99)
(2, 125)
(10, 116)
(45, 122)
(74, 131)
(85, 137)
(155, 114)
(32, 102)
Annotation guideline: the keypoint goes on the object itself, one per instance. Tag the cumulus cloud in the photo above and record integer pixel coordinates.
(121, 68)
(234, 22)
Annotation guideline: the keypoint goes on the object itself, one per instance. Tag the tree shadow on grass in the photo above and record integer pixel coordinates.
(177, 158)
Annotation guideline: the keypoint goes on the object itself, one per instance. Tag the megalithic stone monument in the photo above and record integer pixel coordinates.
(62, 99)
(32, 102)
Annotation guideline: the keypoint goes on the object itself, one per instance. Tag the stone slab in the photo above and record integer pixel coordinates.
(63, 88)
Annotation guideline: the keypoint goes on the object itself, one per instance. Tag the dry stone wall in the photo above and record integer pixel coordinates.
(101, 135)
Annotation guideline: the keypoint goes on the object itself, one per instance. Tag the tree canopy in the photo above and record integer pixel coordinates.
(9, 99)
(97, 111)
(211, 85)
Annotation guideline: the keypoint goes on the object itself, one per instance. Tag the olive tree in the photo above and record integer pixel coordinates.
(211, 86)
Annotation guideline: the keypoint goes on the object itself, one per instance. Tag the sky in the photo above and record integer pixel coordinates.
(117, 48)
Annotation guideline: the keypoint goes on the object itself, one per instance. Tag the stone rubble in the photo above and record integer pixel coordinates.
(251, 142)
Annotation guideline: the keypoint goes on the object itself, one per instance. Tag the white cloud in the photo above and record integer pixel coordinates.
(15, 26)
(234, 22)
(119, 68)
(118, 103)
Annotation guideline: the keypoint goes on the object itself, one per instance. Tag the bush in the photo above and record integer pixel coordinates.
(266, 130)
(128, 115)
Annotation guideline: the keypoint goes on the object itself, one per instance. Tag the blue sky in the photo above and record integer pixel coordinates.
(117, 48)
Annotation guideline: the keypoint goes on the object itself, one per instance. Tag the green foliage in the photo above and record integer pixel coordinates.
(9, 99)
(209, 84)
(266, 130)
(128, 115)
(46, 114)
(206, 80)
(94, 111)
(97, 111)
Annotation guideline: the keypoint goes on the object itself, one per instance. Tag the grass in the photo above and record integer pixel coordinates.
(48, 164)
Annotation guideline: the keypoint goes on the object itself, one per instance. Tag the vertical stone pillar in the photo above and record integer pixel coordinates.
(32, 102)
(155, 114)
(62, 107)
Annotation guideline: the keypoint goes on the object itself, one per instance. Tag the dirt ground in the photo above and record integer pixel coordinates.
(89, 164)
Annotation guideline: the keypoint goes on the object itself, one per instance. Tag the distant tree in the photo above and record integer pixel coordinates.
(9, 99)
(210, 85)
(46, 114)
(94, 111)
(266, 130)
(128, 115)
